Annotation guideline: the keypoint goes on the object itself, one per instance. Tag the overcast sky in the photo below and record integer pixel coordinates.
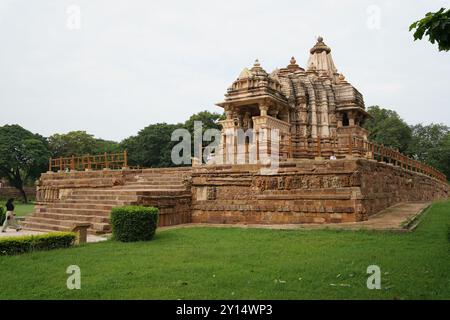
(132, 63)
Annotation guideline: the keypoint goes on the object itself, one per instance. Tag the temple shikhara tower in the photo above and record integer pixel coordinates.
(307, 121)
(316, 111)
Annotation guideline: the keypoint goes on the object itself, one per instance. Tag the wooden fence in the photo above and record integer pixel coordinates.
(88, 162)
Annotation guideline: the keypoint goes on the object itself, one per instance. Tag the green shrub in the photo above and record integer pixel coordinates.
(134, 223)
(22, 244)
(2, 215)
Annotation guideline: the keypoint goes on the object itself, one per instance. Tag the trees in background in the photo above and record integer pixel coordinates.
(386, 127)
(23, 156)
(79, 143)
(431, 144)
(427, 143)
(210, 120)
(436, 25)
(152, 146)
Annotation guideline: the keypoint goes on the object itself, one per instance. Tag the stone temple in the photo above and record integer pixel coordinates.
(313, 109)
(326, 169)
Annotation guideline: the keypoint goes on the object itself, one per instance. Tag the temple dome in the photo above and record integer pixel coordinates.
(255, 71)
(245, 73)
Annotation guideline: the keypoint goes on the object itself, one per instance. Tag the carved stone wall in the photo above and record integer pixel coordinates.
(303, 191)
(307, 192)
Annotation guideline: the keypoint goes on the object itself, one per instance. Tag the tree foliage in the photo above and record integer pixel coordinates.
(427, 143)
(151, 147)
(431, 144)
(23, 156)
(79, 143)
(386, 127)
(210, 120)
(436, 25)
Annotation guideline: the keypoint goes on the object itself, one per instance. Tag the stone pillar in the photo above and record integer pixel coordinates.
(351, 119)
(263, 145)
(339, 117)
(313, 121)
(325, 130)
(263, 108)
(229, 112)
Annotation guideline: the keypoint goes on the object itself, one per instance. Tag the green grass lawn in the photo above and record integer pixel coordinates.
(232, 263)
(23, 209)
(20, 209)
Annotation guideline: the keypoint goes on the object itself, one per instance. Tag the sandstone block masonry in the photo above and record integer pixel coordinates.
(302, 191)
(309, 191)
(64, 198)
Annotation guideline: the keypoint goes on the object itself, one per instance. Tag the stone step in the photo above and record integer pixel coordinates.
(72, 217)
(163, 172)
(83, 201)
(30, 225)
(97, 226)
(80, 205)
(52, 228)
(102, 198)
(158, 178)
(156, 184)
(143, 187)
(144, 192)
(112, 191)
(75, 211)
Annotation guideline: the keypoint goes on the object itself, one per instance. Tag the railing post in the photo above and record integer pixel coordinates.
(72, 163)
(106, 161)
(89, 162)
(50, 165)
(60, 164)
(125, 159)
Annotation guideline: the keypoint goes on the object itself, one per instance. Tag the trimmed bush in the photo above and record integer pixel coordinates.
(134, 223)
(2, 215)
(48, 241)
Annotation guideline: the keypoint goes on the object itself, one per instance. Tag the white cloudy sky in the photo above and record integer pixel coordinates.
(137, 62)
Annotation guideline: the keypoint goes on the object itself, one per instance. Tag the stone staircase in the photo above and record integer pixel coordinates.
(155, 187)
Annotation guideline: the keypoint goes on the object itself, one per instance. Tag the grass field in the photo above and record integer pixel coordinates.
(232, 263)
(22, 209)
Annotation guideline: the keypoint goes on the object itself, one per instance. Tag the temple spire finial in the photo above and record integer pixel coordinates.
(293, 66)
(320, 59)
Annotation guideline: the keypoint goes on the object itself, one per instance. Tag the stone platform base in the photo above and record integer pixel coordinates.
(304, 191)
(401, 217)
(310, 191)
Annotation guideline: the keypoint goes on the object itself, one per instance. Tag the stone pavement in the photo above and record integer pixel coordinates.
(13, 233)
(401, 217)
